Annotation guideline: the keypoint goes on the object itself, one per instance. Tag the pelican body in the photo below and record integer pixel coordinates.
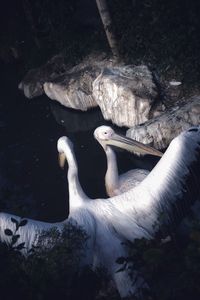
(169, 190)
(115, 184)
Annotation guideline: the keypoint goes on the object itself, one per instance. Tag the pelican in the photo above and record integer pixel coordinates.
(115, 184)
(168, 191)
(30, 233)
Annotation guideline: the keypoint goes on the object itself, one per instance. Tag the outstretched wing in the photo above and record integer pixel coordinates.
(164, 196)
(28, 231)
(175, 181)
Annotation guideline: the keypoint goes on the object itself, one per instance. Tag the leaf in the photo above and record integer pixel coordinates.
(14, 221)
(23, 223)
(8, 232)
(153, 256)
(120, 270)
(20, 246)
(120, 260)
(15, 238)
(32, 250)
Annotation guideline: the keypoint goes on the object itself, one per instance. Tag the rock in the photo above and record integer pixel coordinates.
(161, 130)
(175, 83)
(125, 94)
(74, 88)
(32, 84)
(174, 90)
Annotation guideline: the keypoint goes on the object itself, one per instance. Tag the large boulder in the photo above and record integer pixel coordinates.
(32, 83)
(126, 95)
(74, 88)
(161, 130)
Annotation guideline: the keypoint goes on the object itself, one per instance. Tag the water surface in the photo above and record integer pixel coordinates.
(31, 182)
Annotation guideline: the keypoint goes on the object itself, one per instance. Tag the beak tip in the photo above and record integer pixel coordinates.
(61, 160)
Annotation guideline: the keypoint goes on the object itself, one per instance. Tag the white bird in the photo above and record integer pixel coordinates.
(162, 198)
(104, 246)
(30, 233)
(115, 184)
(168, 191)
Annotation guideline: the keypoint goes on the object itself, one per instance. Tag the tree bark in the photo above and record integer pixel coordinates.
(107, 23)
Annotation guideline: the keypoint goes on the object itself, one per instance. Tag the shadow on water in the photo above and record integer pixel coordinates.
(31, 183)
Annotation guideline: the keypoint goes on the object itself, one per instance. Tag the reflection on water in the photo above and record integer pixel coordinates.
(31, 182)
(75, 121)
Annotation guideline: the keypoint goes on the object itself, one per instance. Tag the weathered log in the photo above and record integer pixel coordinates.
(125, 94)
(161, 130)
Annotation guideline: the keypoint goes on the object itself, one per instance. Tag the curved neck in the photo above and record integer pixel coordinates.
(112, 177)
(76, 193)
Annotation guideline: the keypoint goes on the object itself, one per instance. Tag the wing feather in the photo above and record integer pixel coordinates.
(164, 196)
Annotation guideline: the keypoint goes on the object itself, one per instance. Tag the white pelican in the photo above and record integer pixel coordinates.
(115, 184)
(162, 198)
(168, 191)
(29, 234)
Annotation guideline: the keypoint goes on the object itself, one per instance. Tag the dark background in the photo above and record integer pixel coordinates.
(162, 34)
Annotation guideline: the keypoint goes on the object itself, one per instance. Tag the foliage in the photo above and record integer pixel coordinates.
(50, 270)
(171, 267)
(162, 34)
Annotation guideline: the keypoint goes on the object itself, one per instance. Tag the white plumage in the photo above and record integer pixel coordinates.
(169, 190)
(28, 233)
(115, 184)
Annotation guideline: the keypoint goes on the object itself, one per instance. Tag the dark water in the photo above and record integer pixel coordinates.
(31, 183)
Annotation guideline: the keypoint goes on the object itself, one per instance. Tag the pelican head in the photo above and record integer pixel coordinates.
(105, 135)
(63, 144)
